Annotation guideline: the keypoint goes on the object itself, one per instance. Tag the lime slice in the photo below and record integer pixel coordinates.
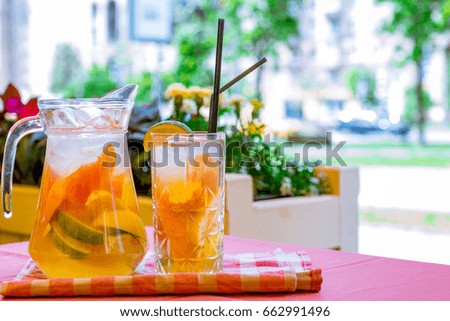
(68, 245)
(165, 127)
(79, 230)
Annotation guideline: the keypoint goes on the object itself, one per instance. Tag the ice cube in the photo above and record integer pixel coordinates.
(94, 116)
(65, 118)
(61, 154)
(169, 163)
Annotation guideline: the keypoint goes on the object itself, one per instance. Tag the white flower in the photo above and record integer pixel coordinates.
(237, 100)
(224, 100)
(286, 187)
(188, 107)
(11, 117)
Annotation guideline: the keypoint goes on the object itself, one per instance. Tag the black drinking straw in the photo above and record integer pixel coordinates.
(243, 74)
(214, 110)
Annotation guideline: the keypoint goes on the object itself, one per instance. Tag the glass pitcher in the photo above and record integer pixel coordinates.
(88, 222)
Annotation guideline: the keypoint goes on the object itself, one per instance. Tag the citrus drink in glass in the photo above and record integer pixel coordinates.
(188, 201)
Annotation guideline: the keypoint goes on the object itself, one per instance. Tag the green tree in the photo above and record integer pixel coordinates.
(411, 108)
(364, 78)
(145, 81)
(447, 58)
(195, 44)
(253, 28)
(259, 28)
(98, 82)
(66, 69)
(417, 21)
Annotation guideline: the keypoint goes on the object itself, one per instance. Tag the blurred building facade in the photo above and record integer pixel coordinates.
(30, 32)
(14, 33)
(336, 35)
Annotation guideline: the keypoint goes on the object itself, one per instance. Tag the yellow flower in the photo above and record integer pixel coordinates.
(199, 91)
(257, 106)
(174, 90)
(256, 103)
(256, 128)
(253, 127)
(198, 94)
(236, 100)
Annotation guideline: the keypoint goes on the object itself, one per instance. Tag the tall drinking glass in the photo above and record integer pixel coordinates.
(188, 201)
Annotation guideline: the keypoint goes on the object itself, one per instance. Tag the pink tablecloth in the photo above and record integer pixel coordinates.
(346, 276)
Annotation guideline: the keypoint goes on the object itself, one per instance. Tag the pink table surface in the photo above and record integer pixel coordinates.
(346, 276)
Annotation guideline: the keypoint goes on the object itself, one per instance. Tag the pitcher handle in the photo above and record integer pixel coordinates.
(21, 128)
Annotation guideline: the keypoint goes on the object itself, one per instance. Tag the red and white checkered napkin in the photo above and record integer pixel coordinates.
(275, 271)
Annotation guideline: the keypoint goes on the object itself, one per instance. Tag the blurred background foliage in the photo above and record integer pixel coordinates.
(254, 28)
(363, 85)
(418, 22)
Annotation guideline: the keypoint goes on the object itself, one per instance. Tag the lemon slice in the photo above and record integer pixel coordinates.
(165, 127)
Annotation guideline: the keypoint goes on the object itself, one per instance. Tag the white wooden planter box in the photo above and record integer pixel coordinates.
(328, 221)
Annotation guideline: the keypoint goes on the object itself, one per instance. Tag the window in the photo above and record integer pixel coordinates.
(94, 11)
(334, 19)
(333, 105)
(334, 74)
(112, 21)
(94, 23)
(293, 109)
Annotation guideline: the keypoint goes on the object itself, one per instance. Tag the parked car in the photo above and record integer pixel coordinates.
(367, 121)
(401, 128)
(361, 122)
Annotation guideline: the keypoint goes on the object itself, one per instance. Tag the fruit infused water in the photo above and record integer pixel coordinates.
(88, 222)
(188, 201)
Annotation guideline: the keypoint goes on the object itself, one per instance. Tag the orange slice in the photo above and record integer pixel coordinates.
(205, 170)
(128, 195)
(165, 127)
(119, 221)
(100, 201)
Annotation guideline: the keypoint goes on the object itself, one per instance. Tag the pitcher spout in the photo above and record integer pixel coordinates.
(127, 92)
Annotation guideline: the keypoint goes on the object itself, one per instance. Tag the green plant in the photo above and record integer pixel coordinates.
(273, 172)
(246, 152)
(98, 82)
(145, 81)
(66, 70)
